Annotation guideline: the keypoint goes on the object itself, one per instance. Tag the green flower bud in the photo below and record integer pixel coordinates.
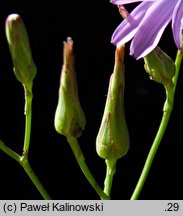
(18, 41)
(160, 66)
(69, 117)
(112, 141)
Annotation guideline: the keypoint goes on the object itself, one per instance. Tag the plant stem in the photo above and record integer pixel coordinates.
(178, 61)
(81, 161)
(111, 170)
(28, 118)
(9, 152)
(23, 161)
(170, 90)
(25, 164)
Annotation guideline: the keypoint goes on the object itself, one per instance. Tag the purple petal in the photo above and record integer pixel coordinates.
(128, 27)
(121, 2)
(177, 22)
(151, 28)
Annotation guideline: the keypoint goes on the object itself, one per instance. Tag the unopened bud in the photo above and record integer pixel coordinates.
(112, 141)
(160, 66)
(18, 41)
(69, 116)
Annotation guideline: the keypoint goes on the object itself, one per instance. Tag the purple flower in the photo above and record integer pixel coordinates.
(146, 24)
(119, 2)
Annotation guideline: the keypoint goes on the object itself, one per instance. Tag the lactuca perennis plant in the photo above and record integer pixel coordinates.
(146, 24)
(144, 27)
(25, 72)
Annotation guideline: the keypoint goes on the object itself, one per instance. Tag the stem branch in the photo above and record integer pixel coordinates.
(111, 170)
(9, 152)
(28, 118)
(25, 164)
(168, 106)
(81, 161)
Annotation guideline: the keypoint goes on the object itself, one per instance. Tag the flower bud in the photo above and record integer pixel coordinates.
(159, 66)
(112, 141)
(18, 41)
(69, 116)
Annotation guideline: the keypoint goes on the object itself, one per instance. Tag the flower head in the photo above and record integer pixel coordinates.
(18, 41)
(69, 116)
(146, 24)
(112, 141)
(160, 66)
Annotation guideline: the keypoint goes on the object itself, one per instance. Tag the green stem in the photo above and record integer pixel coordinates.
(28, 118)
(25, 164)
(111, 170)
(81, 161)
(23, 161)
(170, 90)
(9, 152)
(178, 61)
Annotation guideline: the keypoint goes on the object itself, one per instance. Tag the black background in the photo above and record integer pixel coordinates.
(90, 24)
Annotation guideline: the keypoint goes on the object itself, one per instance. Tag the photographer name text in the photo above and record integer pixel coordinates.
(53, 207)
